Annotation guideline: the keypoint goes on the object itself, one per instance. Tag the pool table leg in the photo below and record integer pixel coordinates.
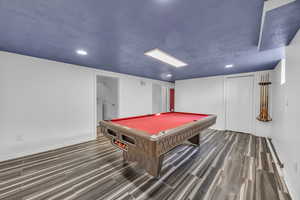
(195, 140)
(126, 157)
(151, 164)
(155, 164)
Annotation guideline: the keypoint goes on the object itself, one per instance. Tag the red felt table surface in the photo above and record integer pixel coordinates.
(156, 123)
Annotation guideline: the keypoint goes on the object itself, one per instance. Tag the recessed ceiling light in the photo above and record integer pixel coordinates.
(164, 57)
(168, 75)
(229, 66)
(81, 52)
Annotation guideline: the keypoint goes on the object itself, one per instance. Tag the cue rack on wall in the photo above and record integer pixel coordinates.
(264, 98)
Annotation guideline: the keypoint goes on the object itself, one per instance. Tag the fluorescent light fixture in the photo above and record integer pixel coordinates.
(164, 57)
(229, 66)
(168, 75)
(81, 52)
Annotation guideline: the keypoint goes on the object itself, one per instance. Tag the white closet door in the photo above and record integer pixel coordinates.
(239, 104)
(156, 98)
(164, 91)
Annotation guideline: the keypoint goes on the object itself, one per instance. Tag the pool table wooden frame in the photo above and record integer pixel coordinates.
(148, 150)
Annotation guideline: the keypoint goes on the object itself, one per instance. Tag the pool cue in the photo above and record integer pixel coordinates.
(267, 98)
(261, 95)
(264, 98)
(268, 95)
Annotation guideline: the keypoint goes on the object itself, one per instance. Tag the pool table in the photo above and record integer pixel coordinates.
(145, 139)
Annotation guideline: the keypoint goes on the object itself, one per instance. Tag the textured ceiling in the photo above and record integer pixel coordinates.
(281, 25)
(206, 34)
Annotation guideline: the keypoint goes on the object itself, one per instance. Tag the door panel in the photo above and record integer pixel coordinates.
(164, 99)
(172, 99)
(156, 98)
(239, 104)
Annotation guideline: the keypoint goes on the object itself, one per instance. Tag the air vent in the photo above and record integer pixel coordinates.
(143, 83)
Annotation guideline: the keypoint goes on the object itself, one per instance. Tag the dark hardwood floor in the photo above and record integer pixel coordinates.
(226, 166)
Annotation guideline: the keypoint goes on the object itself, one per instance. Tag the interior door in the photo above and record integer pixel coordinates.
(239, 104)
(172, 99)
(156, 98)
(164, 96)
(99, 102)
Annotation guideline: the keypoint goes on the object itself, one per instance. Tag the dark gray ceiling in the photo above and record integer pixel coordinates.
(206, 34)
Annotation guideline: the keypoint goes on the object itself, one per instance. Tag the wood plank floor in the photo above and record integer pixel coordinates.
(226, 166)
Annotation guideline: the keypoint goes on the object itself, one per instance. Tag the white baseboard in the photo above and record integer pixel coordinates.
(17, 150)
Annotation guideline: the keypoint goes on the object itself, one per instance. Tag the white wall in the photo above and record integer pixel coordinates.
(46, 104)
(201, 95)
(136, 97)
(285, 132)
(43, 105)
(207, 95)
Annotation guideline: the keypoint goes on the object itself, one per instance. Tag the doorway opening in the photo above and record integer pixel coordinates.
(107, 98)
(159, 98)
